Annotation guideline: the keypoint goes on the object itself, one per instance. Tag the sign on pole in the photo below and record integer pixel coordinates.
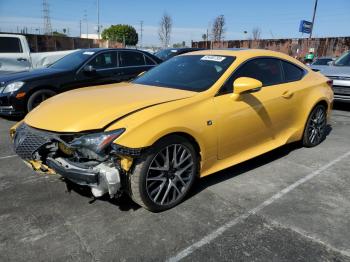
(305, 27)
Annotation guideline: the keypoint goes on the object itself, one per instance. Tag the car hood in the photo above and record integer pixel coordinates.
(94, 108)
(335, 70)
(35, 74)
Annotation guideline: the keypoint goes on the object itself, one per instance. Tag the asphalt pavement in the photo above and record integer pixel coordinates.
(292, 204)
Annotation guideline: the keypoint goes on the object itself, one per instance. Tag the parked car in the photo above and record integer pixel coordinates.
(15, 55)
(21, 92)
(168, 53)
(339, 72)
(191, 116)
(321, 62)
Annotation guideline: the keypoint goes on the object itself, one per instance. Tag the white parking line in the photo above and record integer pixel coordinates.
(5, 157)
(212, 236)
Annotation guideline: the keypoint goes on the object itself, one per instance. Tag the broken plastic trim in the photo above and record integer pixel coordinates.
(127, 151)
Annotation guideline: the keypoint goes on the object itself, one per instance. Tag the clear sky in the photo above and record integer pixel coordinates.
(191, 18)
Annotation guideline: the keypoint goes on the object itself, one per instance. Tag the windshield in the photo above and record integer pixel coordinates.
(73, 60)
(190, 72)
(344, 60)
(166, 54)
(322, 61)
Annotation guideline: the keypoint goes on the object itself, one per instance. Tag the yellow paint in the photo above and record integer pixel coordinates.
(13, 129)
(126, 162)
(244, 84)
(243, 126)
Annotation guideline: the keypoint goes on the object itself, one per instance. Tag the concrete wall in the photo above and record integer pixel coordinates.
(293, 47)
(45, 43)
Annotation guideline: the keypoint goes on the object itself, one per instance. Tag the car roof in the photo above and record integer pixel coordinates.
(243, 54)
(110, 49)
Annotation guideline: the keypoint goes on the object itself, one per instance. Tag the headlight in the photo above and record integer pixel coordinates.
(12, 87)
(96, 142)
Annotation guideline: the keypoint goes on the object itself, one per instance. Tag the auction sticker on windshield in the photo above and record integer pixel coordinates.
(213, 58)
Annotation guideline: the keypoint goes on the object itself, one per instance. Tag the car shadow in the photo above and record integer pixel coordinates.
(12, 118)
(123, 202)
(247, 166)
(341, 106)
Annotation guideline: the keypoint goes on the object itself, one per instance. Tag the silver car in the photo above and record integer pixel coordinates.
(339, 72)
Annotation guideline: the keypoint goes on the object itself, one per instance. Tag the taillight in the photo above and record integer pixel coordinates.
(330, 83)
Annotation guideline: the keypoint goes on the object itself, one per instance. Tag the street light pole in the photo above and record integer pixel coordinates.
(313, 18)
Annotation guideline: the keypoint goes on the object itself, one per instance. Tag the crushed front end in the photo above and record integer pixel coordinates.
(88, 159)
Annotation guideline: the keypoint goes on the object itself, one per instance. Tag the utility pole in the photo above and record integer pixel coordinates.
(98, 19)
(141, 23)
(46, 17)
(313, 18)
(80, 28)
(87, 24)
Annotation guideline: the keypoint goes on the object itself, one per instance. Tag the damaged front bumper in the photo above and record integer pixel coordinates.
(48, 152)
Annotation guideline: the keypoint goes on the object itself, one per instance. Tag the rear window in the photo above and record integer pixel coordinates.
(10, 45)
(292, 72)
(130, 58)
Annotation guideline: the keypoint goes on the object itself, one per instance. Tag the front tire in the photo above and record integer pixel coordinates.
(163, 177)
(315, 130)
(37, 97)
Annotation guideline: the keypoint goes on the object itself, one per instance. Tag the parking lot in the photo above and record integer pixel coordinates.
(290, 204)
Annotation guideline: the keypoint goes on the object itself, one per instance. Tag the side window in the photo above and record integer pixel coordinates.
(149, 61)
(266, 70)
(10, 45)
(292, 72)
(130, 58)
(104, 60)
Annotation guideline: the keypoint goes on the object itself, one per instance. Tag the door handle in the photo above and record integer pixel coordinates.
(21, 59)
(287, 94)
(119, 73)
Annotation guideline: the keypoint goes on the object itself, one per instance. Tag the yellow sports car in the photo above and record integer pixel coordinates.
(189, 117)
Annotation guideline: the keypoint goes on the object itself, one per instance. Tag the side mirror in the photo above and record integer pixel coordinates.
(89, 69)
(246, 85)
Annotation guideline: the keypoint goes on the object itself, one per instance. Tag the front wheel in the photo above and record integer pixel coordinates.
(315, 130)
(164, 176)
(37, 97)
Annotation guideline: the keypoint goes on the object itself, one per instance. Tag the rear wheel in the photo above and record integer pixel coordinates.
(315, 130)
(162, 179)
(37, 97)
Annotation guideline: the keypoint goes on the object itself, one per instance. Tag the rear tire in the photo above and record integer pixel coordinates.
(315, 129)
(162, 178)
(37, 97)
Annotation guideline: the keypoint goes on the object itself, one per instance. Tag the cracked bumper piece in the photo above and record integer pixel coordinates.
(73, 173)
(101, 179)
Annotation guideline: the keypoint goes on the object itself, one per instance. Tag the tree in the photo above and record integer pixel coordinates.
(256, 33)
(55, 33)
(164, 31)
(122, 33)
(218, 29)
(204, 37)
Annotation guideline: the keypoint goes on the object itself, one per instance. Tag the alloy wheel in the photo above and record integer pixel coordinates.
(169, 174)
(317, 126)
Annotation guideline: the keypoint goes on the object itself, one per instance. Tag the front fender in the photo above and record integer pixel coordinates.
(146, 127)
